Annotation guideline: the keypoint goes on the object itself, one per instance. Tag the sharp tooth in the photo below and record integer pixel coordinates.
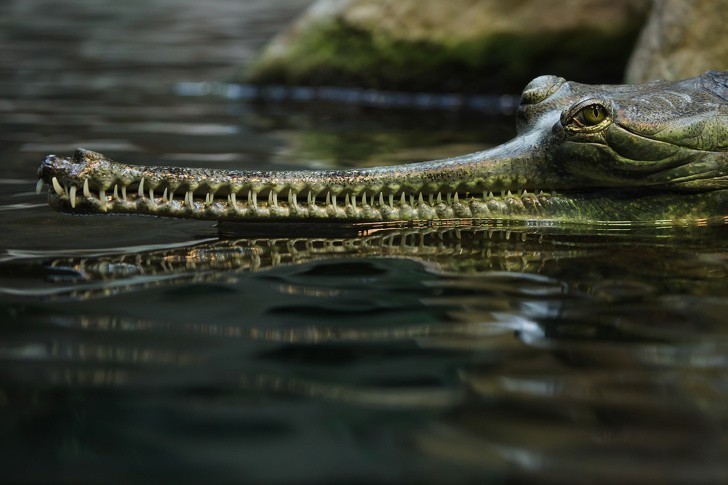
(347, 200)
(294, 199)
(255, 199)
(333, 200)
(455, 197)
(86, 191)
(275, 198)
(490, 195)
(509, 194)
(164, 194)
(141, 189)
(364, 198)
(309, 198)
(412, 200)
(432, 199)
(233, 200)
(123, 193)
(402, 199)
(39, 186)
(208, 198)
(171, 195)
(116, 192)
(190, 200)
(420, 200)
(391, 200)
(73, 196)
(328, 198)
(353, 201)
(381, 199)
(102, 198)
(151, 195)
(57, 187)
(439, 198)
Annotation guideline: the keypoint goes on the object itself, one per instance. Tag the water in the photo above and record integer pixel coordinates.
(143, 348)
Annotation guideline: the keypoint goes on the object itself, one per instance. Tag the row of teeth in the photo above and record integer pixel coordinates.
(233, 253)
(252, 196)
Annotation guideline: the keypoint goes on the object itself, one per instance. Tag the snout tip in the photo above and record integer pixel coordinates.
(46, 164)
(50, 165)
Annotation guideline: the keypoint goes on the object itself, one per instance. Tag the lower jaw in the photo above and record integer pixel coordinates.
(593, 207)
(524, 205)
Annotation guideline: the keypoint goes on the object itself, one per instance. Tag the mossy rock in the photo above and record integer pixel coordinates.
(681, 39)
(340, 49)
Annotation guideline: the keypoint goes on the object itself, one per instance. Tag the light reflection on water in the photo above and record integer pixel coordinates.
(144, 347)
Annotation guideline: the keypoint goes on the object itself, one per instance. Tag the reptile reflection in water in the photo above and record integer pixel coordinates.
(515, 351)
(468, 248)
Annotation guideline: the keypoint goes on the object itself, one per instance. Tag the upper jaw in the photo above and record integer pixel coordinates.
(490, 182)
(513, 166)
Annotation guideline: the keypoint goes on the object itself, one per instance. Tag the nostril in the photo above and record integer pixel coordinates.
(52, 166)
(47, 164)
(78, 155)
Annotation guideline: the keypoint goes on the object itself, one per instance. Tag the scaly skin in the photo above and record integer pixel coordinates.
(655, 153)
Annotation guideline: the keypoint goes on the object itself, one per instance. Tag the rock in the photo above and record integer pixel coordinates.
(458, 45)
(681, 39)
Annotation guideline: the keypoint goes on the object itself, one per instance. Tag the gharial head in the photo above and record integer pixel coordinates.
(666, 134)
(590, 143)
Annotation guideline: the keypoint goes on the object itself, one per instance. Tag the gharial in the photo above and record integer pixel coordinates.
(655, 152)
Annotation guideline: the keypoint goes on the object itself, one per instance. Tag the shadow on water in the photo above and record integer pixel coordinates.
(155, 348)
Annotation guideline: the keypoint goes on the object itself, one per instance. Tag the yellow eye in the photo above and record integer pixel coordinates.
(587, 116)
(591, 115)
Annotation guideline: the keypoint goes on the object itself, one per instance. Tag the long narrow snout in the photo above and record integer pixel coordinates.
(501, 181)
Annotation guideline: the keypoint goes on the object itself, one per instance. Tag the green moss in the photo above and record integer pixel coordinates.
(337, 54)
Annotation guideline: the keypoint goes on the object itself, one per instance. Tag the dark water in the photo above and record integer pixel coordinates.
(142, 348)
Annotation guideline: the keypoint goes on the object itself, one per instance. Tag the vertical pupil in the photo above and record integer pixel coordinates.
(596, 111)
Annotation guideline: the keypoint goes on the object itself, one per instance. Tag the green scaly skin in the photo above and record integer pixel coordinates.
(653, 153)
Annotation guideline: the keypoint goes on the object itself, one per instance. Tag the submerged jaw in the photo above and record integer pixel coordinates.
(90, 183)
